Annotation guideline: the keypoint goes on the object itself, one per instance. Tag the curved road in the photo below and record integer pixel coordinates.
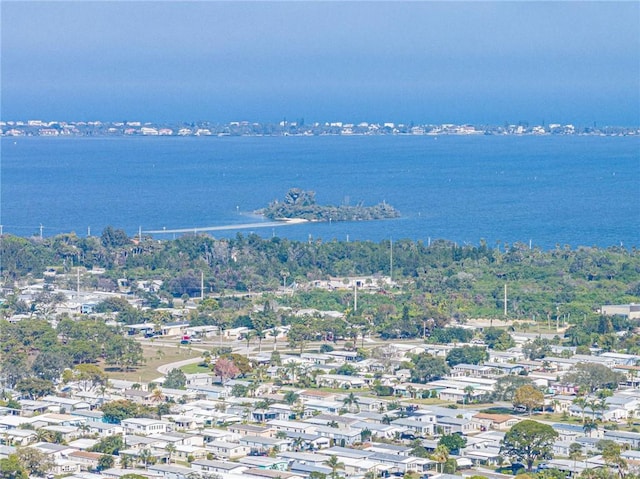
(165, 368)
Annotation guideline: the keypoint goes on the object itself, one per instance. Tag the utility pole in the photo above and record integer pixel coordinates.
(505, 300)
(355, 296)
(391, 259)
(201, 285)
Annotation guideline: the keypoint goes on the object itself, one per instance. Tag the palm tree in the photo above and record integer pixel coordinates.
(252, 388)
(171, 448)
(351, 401)
(334, 463)
(157, 396)
(412, 392)
(125, 461)
(299, 409)
(441, 456)
(290, 370)
(611, 455)
(575, 452)
(260, 373)
(291, 397)
(594, 405)
(589, 426)
(145, 456)
(582, 403)
(468, 391)
(249, 336)
(260, 334)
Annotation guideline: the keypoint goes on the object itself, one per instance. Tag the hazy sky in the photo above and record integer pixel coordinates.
(427, 62)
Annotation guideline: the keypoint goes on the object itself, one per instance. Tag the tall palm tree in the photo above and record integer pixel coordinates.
(582, 403)
(589, 426)
(468, 391)
(441, 456)
(575, 452)
(125, 461)
(145, 456)
(351, 401)
(156, 395)
(252, 388)
(291, 397)
(290, 370)
(248, 337)
(611, 455)
(334, 463)
(171, 448)
(594, 405)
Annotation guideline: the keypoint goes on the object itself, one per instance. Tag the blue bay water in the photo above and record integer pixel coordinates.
(550, 190)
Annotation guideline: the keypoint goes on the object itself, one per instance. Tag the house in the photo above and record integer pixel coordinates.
(453, 425)
(264, 444)
(65, 404)
(170, 471)
(262, 462)
(227, 450)
(18, 437)
(501, 422)
(104, 429)
(145, 426)
(402, 464)
(89, 416)
(174, 329)
(251, 430)
(260, 473)
(88, 461)
(311, 442)
(631, 311)
(292, 426)
(472, 370)
(568, 432)
(343, 437)
(419, 427)
(624, 437)
(66, 433)
(218, 467)
(340, 381)
(210, 392)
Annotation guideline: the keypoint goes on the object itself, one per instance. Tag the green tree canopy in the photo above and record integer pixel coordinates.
(593, 376)
(175, 379)
(528, 441)
(467, 355)
(453, 442)
(116, 411)
(426, 367)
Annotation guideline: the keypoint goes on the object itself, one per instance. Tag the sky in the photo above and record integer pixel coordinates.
(423, 62)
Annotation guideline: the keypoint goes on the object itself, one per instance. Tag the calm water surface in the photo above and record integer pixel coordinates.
(550, 190)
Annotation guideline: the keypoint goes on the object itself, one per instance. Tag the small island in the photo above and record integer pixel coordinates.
(299, 204)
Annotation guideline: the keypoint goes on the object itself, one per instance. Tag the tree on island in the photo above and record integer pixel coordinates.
(301, 204)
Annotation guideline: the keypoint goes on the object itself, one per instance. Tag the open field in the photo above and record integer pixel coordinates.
(156, 355)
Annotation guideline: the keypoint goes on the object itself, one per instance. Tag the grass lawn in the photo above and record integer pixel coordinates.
(155, 355)
(194, 369)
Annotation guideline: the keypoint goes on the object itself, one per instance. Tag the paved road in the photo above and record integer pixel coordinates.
(165, 368)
